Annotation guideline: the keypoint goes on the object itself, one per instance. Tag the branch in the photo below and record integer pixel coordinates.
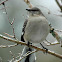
(14, 58)
(11, 23)
(12, 55)
(48, 43)
(60, 5)
(5, 46)
(37, 48)
(58, 30)
(9, 35)
(3, 2)
(25, 55)
(58, 15)
(55, 35)
(28, 3)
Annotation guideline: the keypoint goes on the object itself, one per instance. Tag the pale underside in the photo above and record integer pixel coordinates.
(37, 29)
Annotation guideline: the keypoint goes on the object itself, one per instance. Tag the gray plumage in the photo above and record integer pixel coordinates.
(36, 27)
(35, 30)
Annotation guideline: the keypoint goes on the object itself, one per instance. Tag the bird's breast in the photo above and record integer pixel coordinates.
(36, 30)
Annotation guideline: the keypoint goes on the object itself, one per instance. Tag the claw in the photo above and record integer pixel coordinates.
(44, 48)
(29, 43)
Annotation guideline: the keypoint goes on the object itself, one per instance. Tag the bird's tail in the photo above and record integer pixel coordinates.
(29, 58)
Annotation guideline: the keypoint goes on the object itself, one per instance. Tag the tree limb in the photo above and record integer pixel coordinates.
(5, 46)
(37, 48)
(60, 6)
(28, 3)
(3, 2)
(25, 55)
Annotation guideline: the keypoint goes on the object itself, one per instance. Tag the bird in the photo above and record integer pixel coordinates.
(35, 28)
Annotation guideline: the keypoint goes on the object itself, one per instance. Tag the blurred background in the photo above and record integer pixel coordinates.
(16, 9)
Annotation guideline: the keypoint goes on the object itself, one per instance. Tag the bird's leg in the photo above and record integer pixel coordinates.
(29, 43)
(44, 48)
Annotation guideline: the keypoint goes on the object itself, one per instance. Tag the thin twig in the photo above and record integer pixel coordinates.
(3, 2)
(9, 35)
(28, 3)
(60, 5)
(4, 6)
(37, 48)
(11, 23)
(15, 58)
(12, 55)
(49, 43)
(7, 46)
(58, 30)
(19, 55)
(58, 15)
(25, 55)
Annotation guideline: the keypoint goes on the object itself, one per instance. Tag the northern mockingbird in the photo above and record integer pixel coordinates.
(35, 28)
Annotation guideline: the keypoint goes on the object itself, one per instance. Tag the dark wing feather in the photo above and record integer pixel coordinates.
(23, 30)
(25, 23)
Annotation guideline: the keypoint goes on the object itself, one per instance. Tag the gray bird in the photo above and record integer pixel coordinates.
(35, 28)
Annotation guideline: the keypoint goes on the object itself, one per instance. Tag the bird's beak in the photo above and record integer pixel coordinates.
(28, 9)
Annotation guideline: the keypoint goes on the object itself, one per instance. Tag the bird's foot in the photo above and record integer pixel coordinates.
(44, 48)
(29, 43)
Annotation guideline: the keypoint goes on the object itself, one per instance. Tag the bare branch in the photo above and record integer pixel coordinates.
(11, 23)
(9, 35)
(37, 48)
(7, 46)
(58, 15)
(28, 3)
(58, 30)
(48, 43)
(3, 2)
(25, 55)
(15, 58)
(12, 55)
(60, 5)
(54, 33)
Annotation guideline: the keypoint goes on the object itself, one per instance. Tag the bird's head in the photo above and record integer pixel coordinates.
(34, 11)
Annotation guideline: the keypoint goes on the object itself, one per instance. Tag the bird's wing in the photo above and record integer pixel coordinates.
(31, 57)
(25, 23)
(23, 30)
